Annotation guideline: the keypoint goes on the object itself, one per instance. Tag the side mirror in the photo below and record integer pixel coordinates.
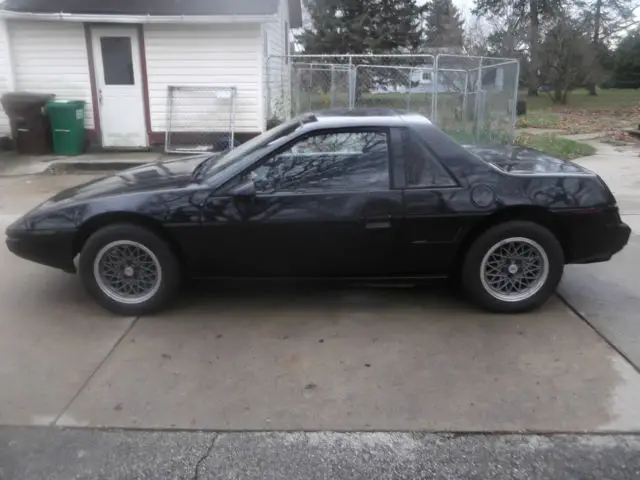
(245, 189)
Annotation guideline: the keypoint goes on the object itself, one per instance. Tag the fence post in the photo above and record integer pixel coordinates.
(464, 97)
(167, 122)
(295, 92)
(514, 103)
(409, 86)
(232, 123)
(353, 75)
(478, 99)
(434, 101)
(267, 89)
(332, 88)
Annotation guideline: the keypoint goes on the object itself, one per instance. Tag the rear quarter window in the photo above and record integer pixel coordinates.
(422, 168)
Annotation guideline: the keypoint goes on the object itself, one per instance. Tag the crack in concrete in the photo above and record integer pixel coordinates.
(200, 462)
(597, 331)
(95, 371)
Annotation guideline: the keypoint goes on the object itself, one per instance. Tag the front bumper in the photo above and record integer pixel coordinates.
(599, 244)
(53, 249)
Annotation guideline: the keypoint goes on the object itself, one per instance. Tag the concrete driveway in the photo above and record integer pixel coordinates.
(299, 359)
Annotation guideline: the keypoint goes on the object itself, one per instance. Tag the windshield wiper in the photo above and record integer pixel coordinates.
(202, 166)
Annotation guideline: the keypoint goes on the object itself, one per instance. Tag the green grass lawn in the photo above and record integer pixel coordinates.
(580, 99)
(540, 119)
(556, 146)
(610, 110)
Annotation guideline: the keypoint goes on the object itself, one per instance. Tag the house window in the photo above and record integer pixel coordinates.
(117, 60)
(426, 76)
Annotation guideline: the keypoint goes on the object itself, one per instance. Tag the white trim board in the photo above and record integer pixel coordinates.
(137, 19)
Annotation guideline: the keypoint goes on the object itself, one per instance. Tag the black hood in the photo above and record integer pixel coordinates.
(168, 174)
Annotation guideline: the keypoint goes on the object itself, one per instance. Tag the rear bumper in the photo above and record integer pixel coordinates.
(50, 249)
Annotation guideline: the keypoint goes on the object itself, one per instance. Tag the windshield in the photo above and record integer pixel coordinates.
(256, 144)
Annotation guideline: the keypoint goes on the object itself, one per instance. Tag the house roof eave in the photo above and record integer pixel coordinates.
(128, 19)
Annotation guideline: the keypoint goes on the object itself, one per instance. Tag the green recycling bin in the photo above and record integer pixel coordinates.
(67, 126)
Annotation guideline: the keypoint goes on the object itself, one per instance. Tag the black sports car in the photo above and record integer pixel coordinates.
(374, 194)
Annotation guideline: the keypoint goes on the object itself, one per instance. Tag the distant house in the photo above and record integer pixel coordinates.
(121, 55)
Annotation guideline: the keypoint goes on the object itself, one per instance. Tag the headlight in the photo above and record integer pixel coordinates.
(17, 227)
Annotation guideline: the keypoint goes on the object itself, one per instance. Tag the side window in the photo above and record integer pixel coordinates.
(328, 162)
(421, 168)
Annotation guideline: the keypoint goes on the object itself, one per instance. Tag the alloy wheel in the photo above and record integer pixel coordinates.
(127, 272)
(514, 269)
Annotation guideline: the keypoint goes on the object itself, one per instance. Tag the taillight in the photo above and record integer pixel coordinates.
(611, 198)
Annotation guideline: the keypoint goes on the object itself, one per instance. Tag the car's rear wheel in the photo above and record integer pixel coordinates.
(128, 269)
(513, 267)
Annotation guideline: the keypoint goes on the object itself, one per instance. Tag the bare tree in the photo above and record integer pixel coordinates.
(530, 11)
(566, 56)
(476, 38)
(605, 20)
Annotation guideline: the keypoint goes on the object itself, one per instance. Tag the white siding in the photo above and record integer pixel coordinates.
(51, 57)
(211, 55)
(277, 68)
(5, 76)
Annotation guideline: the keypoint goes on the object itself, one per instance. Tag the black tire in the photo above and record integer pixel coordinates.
(167, 262)
(472, 278)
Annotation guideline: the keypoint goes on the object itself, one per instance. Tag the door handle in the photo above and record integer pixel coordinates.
(100, 96)
(377, 225)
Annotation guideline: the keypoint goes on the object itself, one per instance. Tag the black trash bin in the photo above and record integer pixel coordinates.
(30, 127)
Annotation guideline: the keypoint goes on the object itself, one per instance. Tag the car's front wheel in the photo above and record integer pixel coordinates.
(513, 267)
(128, 269)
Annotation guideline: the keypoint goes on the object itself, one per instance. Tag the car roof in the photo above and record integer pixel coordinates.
(365, 116)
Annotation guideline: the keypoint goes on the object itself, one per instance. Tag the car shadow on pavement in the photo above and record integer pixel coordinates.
(292, 295)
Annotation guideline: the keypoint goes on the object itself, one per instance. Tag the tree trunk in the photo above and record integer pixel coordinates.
(557, 94)
(533, 48)
(591, 86)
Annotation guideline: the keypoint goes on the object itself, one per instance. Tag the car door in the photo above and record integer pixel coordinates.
(320, 206)
(432, 200)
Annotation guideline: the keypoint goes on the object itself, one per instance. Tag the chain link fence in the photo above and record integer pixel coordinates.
(471, 98)
(200, 119)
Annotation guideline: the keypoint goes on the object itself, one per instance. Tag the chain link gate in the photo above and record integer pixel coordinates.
(200, 119)
(320, 86)
(471, 98)
(490, 98)
(301, 83)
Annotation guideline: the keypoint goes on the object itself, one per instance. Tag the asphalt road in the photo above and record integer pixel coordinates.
(51, 454)
(328, 360)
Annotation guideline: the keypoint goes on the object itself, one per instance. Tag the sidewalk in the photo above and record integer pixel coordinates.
(12, 164)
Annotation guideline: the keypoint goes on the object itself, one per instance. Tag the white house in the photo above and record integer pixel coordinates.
(120, 56)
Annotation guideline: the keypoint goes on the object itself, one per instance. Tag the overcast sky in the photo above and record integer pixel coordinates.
(465, 7)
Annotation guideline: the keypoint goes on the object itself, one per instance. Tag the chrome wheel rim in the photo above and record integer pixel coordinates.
(514, 269)
(127, 272)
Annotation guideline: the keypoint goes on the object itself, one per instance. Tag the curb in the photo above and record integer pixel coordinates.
(92, 166)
